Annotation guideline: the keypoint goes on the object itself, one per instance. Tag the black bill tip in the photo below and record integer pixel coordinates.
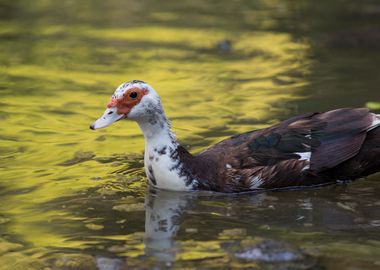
(92, 127)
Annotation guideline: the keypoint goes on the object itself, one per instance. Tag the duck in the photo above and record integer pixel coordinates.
(307, 150)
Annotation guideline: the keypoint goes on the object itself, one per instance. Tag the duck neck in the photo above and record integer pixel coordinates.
(157, 133)
(162, 159)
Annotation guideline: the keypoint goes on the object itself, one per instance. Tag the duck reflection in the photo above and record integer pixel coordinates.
(164, 211)
(268, 214)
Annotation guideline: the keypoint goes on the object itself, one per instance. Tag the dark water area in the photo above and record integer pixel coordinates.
(71, 198)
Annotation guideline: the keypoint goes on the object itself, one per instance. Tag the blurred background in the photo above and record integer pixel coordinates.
(71, 198)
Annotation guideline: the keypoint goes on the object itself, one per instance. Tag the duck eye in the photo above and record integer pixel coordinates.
(133, 95)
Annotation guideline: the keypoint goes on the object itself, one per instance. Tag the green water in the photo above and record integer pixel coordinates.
(72, 198)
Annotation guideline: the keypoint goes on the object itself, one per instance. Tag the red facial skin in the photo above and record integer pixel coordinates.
(125, 104)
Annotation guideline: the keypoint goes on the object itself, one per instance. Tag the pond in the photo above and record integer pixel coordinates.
(72, 198)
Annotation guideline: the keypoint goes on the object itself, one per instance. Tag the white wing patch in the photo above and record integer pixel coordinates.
(256, 182)
(304, 155)
(375, 122)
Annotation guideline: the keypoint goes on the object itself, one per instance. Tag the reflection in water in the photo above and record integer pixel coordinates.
(60, 70)
(264, 214)
(163, 216)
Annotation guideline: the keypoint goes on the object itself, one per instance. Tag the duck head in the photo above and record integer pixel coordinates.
(135, 100)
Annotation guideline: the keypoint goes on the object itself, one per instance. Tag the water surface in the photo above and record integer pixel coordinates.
(72, 198)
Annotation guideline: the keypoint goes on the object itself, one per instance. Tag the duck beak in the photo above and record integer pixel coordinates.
(109, 116)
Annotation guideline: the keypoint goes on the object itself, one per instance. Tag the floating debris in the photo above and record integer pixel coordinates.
(224, 46)
(109, 263)
(271, 251)
(375, 223)
(121, 221)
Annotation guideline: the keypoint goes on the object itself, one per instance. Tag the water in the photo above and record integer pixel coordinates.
(72, 198)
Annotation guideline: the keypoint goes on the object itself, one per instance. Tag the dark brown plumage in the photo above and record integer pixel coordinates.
(306, 150)
(343, 144)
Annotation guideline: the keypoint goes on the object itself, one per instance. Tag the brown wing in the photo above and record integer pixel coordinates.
(284, 154)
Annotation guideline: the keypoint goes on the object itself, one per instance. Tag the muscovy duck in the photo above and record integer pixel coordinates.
(306, 150)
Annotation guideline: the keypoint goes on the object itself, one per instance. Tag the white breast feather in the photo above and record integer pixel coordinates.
(165, 178)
